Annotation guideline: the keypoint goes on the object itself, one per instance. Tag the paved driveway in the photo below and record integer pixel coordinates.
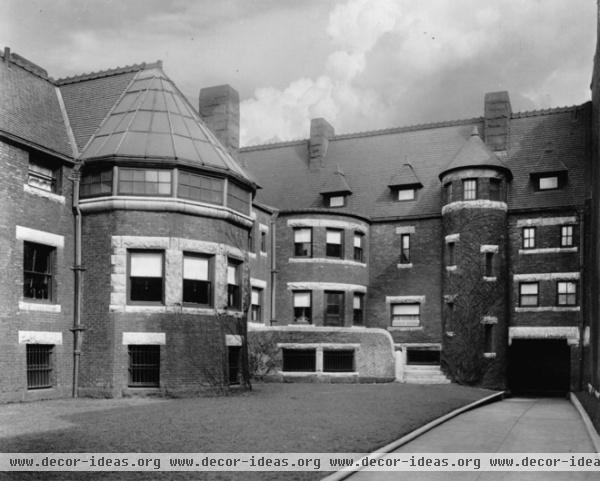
(516, 425)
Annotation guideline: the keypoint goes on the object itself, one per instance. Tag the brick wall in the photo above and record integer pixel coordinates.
(30, 208)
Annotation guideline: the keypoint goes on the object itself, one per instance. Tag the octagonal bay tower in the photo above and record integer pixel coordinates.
(166, 213)
(474, 215)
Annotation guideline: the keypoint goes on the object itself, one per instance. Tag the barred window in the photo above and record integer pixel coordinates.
(144, 366)
(96, 183)
(201, 188)
(299, 360)
(566, 293)
(406, 315)
(566, 236)
(303, 242)
(528, 294)
(338, 360)
(38, 267)
(39, 366)
(528, 237)
(144, 181)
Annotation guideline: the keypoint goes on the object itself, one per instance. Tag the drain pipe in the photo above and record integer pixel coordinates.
(273, 270)
(77, 271)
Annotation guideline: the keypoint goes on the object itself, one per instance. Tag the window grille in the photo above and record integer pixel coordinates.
(144, 366)
(299, 360)
(336, 360)
(39, 366)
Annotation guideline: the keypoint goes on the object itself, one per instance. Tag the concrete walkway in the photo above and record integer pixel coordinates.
(516, 425)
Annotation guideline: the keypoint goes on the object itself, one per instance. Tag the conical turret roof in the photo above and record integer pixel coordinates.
(153, 120)
(475, 153)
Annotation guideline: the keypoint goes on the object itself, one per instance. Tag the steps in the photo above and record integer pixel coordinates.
(424, 374)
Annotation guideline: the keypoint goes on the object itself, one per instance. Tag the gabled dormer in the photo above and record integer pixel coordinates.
(548, 172)
(404, 184)
(335, 189)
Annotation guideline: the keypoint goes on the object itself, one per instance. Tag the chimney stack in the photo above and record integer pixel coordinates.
(497, 114)
(321, 132)
(219, 107)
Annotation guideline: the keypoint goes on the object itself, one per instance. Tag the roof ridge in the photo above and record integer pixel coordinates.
(27, 65)
(548, 111)
(108, 73)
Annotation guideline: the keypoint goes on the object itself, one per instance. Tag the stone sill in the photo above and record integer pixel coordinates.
(548, 250)
(548, 309)
(406, 328)
(39, 307)
(404, 266)
(324, 260)
(59, 199)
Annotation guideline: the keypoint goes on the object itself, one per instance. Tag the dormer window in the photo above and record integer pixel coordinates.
(549, 182)
(336, 200)
(406, 194)
(404, 184)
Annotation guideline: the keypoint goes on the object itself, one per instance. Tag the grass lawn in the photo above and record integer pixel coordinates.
(271, 418)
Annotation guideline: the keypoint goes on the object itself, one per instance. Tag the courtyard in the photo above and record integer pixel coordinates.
(270, 418)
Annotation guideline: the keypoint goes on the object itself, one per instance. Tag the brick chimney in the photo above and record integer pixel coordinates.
(497, 114)
(321, 132)
(219, 107)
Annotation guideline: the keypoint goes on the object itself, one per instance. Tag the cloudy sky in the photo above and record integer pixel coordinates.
(362, 64)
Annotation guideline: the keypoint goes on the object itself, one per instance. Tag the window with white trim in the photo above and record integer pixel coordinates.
(529, 294)
(256, 304)
(39, 366)
(528, 237)
(337, 200)
(263, 241)
(234, 291)
(406, 314)
(146, 278)
(302, 307)
(358, 247)
(566, 293)
(334, 243)
(197, 285)
(566, 236)
(406, 194)
(549, 182)
(303, 242)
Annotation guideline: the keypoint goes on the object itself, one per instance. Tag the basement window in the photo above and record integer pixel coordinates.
(338, 360)
(299, 360)
(144, 366)
(39, 366)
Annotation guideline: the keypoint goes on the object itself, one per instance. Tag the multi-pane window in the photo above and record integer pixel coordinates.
(200, 188)
(144, 366)
(334, 308)
(146, 276)
(406, 315)
(39, 366)
(528, 294)
(263, 241)
(548, 182)
(43, 177)
(469, 189)
(566, 293)
(451, 253)
(528, 237)
(338, 360)
(405, 249)
(144, 181)
(302, 307)
(406, 194)
(337, 200)
(234, 294)
(299, 360)
(96, 183)
(358, 309)
(495, 189)
(38, 263)
(303, 242)
(489, 264)
(256, 303)
(238, 198)
(358, 247)
(334, 243)
(448, 192)
(197, 285)
(566, 236)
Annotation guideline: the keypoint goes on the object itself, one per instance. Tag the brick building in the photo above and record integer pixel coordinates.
(144, 248)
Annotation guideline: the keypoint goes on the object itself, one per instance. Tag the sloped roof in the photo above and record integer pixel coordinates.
(335, 183)
(30, 109)
(405, 176)
(548, 161)
(475, 153)
(370, 160)
(152, 119)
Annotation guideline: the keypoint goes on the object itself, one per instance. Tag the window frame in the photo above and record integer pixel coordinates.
(131, 367)
(359, 252)
(339, 357)
(54, 178)
(234, 291)
(567, 295)
(308, 246)
(537, 294)
(105, 177)
(256, 315)
(330, 200)
(400, 190)
(545, 177)
(309, 354)
(182, 186)
(467, 189)
(528, 241)
(341, 244)
(49, 275)
(144, 182)
(301, 312)
(570, 237)
(209, 281)
(263, 242)
(405, 257)
(448, 192)
(43, 370)
(358, 313)
(405, 322)
(129, 277)
(341, 305)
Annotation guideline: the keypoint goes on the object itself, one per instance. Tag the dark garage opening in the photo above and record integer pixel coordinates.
(539, 367)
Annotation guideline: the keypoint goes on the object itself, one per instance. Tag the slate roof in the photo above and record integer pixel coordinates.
(335, 183)
(30, 109)
(405, 176)
(370, 159)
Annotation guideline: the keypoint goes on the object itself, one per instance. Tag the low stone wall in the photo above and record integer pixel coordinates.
(373, 359)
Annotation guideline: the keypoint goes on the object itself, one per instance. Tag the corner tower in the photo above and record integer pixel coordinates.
(475, 268)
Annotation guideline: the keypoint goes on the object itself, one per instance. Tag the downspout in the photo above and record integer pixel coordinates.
(273, 270)
(77, 271)
(582, 285)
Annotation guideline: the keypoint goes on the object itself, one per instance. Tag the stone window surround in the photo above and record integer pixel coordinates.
(474, 204)
(331, 223)
(174, 249)
(319, 347)
(60, 199)
(389, 300)
(570, 333)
